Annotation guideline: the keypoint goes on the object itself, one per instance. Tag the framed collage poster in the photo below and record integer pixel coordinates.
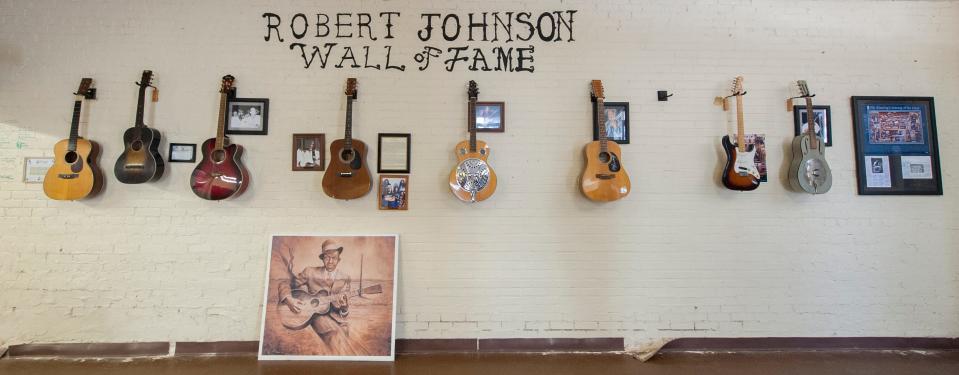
(330, 297)
(897, 149)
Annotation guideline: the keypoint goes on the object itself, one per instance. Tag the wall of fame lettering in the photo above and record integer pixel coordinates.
(484, 41)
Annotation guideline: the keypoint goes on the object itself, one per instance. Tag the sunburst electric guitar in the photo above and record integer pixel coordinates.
(604, 178)
(740, 172)
(809, 171)
(472, 180)
(75, 174)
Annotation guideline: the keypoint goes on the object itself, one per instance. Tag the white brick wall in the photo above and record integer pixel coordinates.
(153, 262)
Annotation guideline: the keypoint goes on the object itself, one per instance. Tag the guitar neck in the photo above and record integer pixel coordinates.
(601, 124)
(221, 123)
(472, 124)
(75, 124)
(740, 124)
(349, 123)
(811, 124)
(139, 119)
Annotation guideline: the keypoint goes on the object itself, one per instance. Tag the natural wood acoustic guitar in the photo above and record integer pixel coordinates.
(604, 178)
(740, 172)
(348, 176)
(75, 174)
(221, 174)
(140, 161)
(472, 180)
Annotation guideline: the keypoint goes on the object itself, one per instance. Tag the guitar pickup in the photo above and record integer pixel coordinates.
(68, 176)
(605, 176)
(346, 174)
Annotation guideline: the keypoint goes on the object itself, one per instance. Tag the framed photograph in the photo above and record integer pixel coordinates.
(247, 116)
(182, 153)
(35, 169)
(617, 122)
(309, 152)
(330, 297)
(758, 140)
(823, 115)
(897, 147)
(393, 153)
(394, 192)
(490, 117)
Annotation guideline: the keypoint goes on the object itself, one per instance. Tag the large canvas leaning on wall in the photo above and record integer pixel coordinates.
(330, 298)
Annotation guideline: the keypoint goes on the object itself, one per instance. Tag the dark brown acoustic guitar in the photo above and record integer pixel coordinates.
(140, 161)
(740, 172)
(75, 174)
(348, 176)
(221, 174)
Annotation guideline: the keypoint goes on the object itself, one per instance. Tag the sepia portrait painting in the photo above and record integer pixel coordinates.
(330, 298)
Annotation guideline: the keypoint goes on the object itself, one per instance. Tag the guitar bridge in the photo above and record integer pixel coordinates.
(346, 174)
(68, 176)
(605, 176)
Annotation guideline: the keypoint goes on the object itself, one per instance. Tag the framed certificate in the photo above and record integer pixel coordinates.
(35, 169)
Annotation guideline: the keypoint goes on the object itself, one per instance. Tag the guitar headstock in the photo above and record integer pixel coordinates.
(227, 84)
(803, 89)
(596, 87)
(738, 86)
(472, 91)
(84, 90)
(146, 80)
(350, 88)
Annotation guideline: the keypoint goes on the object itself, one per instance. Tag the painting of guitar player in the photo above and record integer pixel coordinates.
(330, 298)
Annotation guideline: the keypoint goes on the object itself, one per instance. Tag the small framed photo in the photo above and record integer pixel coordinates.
(897, 146)
(823, 115)
(759, 142)
(35, 169)
(247, 116)
(394, 192)
(309, 152)
(617, 122)
(393, 154)
(182, 153)
(490, 117)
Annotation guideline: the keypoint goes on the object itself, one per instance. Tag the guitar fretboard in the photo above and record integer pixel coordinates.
(221, 122)
(811, 124)
(139, 119)
(601, 124)
(75, 124)
(472, 124)
(349, 123)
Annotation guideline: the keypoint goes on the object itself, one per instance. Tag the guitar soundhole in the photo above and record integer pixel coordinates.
(314, 302)
(218, 156)
(482, 152)
(604, 157)
(71, 157)
(136, 145)
(462, 151)
(347, 155)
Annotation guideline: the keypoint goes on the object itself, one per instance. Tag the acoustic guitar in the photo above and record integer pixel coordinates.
(318, 303)
(740, 172)
(348, 176)
(221, 174)
(75, 174)
(140, 161)
(472, 180)
(808, 170)
(604, 178)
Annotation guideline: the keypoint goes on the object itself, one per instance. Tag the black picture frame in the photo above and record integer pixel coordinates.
(192, 147)
(502, 117)
(379, 152)
(888, 130)
(262, 106)
(621, 108)
(799, 112)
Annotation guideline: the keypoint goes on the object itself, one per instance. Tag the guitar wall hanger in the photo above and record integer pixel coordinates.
(663, 95)
(90, 94)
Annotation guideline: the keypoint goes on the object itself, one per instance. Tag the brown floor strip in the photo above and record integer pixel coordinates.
(216, 347)
(811, 343)
(135, 349)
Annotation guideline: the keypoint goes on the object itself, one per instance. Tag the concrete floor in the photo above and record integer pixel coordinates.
(817, 363)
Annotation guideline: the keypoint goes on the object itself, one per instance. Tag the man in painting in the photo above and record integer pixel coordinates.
(332, 327)
(307, 157)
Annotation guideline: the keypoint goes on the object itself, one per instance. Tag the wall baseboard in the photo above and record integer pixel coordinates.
(501, 345)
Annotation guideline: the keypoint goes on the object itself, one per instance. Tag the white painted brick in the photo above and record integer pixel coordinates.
(680, 256)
